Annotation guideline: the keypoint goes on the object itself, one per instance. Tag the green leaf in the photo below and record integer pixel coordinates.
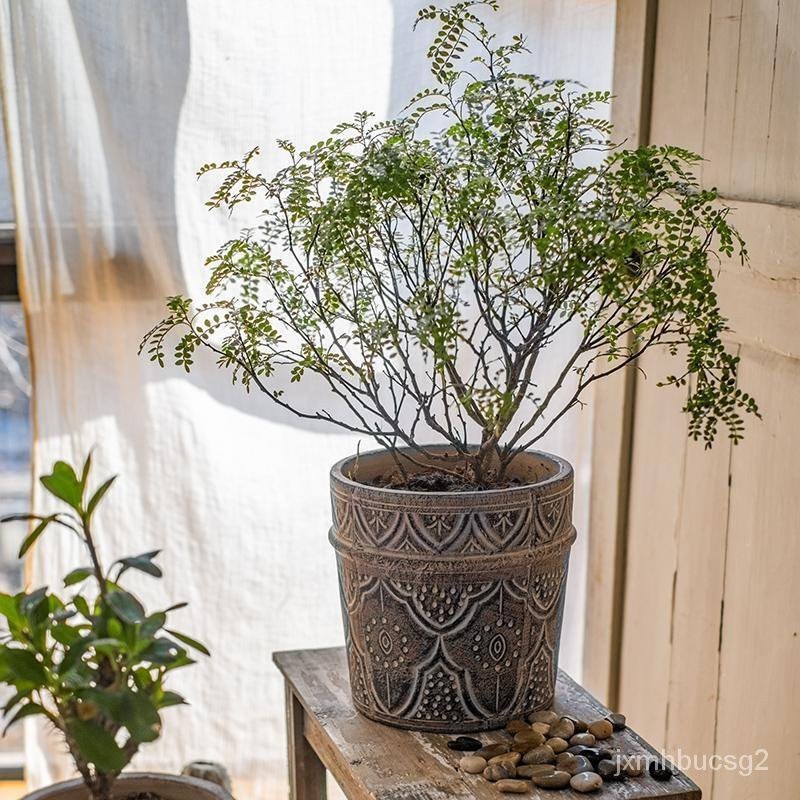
(168, 699)
(126, 606)
(78, 575)
(9, 608)
(187, 640)
(23, 665)
(163, 651)
(138, 714)
(31, 538)
(143, 562)
(97, 746)
(74, 653)
(83, 607)
(98, 495)
(87, 466)
(152, 625)
(28, 710)
(63, 483)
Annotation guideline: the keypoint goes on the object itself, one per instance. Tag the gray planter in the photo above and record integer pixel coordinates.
(170, 787)
(452, 601)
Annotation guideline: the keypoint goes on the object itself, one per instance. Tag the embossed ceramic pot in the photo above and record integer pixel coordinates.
(452, 601)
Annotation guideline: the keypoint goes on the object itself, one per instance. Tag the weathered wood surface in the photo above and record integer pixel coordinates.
(370, 760)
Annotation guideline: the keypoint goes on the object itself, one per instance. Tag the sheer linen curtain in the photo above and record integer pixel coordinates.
(110, 108)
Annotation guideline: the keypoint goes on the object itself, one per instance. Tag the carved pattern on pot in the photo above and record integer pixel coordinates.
(453, 603)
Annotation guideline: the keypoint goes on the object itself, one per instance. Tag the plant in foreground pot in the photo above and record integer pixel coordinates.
(418, 269)
(95, 663)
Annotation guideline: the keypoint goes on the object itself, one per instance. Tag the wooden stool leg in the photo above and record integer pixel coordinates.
(306, 771)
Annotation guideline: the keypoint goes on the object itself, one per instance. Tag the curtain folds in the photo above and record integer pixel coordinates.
(110, 108)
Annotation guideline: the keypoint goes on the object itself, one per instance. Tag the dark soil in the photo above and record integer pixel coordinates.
(436, 482)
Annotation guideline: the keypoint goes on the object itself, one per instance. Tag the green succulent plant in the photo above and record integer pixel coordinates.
(93, 663)
(420, 267)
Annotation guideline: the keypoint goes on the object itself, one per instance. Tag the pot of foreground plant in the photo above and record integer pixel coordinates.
(149, 785)
(452, 601)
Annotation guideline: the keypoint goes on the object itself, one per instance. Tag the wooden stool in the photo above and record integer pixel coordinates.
(376, 762)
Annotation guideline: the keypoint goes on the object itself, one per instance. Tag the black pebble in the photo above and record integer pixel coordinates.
(617, 721)
(595, 754)
(464, 744)
(659, 770)
(609, 771)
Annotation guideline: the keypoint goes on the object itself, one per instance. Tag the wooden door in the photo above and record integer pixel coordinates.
(698, 552)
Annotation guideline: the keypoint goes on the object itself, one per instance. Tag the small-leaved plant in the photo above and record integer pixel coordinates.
(93, 663)
(420, 267)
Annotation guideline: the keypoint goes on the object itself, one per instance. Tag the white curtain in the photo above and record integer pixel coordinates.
(110, 107)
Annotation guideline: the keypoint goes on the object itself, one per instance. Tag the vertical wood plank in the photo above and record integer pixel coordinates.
(659, 437)
(754, 97)
(634, 46)
(656, 481)
(759, 691)
(306, 772)
(782, 180)
(723, 66)
(697, 603)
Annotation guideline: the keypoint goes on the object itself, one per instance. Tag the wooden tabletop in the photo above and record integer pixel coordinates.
(374, 761)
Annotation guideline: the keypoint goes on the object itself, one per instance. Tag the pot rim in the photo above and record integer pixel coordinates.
(563, 472)
(165, 779)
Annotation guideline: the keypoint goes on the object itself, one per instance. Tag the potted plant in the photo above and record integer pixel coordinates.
(94, 664)
(418, 269)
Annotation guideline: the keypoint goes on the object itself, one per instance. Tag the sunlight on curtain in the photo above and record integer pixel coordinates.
(110, 109)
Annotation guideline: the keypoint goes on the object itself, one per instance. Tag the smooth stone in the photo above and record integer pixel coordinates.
(563, 729)
(542, 727)
(512, 786)
(539, 755)
(617, 721)
(557, 780)
(566, 761)
(586, 782)
(595, 754)
(529, 736)
(583, 739)
(506, 758)
(601, 729)
(530, 770)
(548, 717)
(660, 771)
(634, 765)
(609, 771)
(497, 772)
(558, 745)
(576, 749)
(582, 764)
(473, 765)
(580, 725)
(464, 743)
(516, 725)
(492, 750)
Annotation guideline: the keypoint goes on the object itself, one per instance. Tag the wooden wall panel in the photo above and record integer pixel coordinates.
(653, 517)
(759, 692)
(710, 635)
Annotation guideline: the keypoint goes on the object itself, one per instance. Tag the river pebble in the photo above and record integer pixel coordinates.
(539, 755)
(554, 780)
(601, 729)
(512, 786)
(464, 743)
(472, 765)
(586, 782)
